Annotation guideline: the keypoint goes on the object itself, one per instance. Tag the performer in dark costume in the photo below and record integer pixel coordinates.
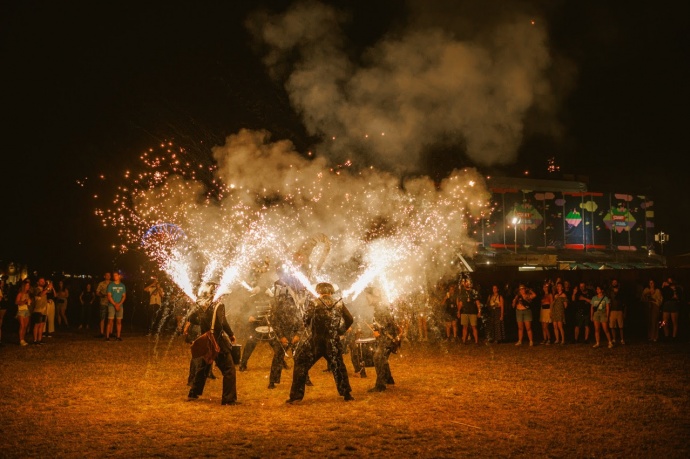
(388, 335)
(350, 344)
(325, 320)
(254, 338)
(212, 316)
(286, 324)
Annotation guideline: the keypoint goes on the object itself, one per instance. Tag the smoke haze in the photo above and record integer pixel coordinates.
(442, 78)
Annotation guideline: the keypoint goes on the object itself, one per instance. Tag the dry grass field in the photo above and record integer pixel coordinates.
(78, 396)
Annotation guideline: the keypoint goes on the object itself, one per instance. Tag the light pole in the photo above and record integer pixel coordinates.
(515, 224)
(661, 238)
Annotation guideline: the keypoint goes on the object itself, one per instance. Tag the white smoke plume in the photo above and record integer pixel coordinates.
(449, 77)
(457, 82)
(333, 224)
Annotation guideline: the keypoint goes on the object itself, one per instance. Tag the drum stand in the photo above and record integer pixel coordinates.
(360, 358)
(272, 335)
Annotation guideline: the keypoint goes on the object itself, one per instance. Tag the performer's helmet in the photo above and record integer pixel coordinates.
(324, 288)
(207, 290)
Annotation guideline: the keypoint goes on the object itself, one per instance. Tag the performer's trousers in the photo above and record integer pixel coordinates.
(277, 362)
(249, 347)
(227, 368)
(383, 369)
(307, 355)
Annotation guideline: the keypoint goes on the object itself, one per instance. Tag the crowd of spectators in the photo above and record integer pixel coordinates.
(604, 312)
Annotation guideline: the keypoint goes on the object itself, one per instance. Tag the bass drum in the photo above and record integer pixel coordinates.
(236, 353)
(364, 351)
(265, 333)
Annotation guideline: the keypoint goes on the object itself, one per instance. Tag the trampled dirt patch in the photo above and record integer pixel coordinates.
(81, 397)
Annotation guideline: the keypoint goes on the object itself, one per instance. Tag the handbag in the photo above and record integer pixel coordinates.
(206, 346)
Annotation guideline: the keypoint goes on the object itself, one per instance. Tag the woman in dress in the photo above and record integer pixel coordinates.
(450, 308)
(652, 297)
(61, 297)
(23, 302)
(545, 312)
(86, 299)
(560, 303)
(496, 330)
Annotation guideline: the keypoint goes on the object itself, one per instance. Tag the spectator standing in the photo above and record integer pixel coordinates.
(61, 298)
(469, 311)
(599, 312)
(24, 303)
(102, 294)
(523, 313)
(617, 311)
(117, 294)
(50, 316)
(672, 294)
(155, 292)
(38, 316)
(496, 331)
(86, 300)
(451, 309)
(558, 308)
(545, 312)
(581, 298)
(652, 298)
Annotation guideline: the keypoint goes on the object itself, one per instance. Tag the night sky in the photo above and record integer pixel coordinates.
(88, 88)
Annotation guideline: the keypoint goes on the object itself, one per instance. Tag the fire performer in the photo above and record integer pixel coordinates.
(285, 289)
(224, 337)
(325, 320)
(254, 337)
(388, 337)
(285, 321)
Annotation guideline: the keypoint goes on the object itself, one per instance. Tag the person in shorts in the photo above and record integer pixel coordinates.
(469, 311)
(102, 294)
(523, 314)
(40, 312)
(616, 311)
(24, 303)
(672, 294)
(599, 314)
(117, 293)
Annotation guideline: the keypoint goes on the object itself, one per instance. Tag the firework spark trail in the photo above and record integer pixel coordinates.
(178, 270)
(256, 199)
(302, 278)
(267, 201)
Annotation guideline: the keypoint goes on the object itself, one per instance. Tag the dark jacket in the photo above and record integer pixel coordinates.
(222, 331)
(327, 318)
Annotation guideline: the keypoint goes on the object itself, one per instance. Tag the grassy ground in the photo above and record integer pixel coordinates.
(81, 397)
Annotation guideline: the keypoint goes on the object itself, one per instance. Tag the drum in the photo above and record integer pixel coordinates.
(265, 333)
(365, 348)
(236, 353)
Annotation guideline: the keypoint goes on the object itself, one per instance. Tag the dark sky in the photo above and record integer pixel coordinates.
(87, 88)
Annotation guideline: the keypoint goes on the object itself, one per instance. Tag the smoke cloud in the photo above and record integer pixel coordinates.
(345, 215)
(447, 77)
